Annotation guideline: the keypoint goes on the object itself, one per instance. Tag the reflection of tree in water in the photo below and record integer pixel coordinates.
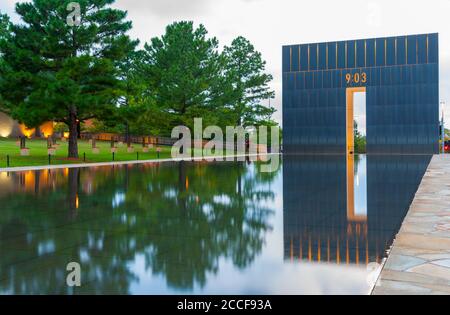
(183, 219)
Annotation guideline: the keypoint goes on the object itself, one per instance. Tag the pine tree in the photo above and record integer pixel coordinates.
(182, 67)
(65, 73)
(245, 70)
(4, 37)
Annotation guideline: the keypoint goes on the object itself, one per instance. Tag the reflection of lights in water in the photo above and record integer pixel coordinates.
(3, 176)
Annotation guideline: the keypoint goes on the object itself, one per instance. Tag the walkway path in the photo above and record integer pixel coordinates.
(419, 262)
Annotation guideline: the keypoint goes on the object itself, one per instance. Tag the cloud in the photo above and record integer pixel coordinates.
(168, 8)
(270, 24)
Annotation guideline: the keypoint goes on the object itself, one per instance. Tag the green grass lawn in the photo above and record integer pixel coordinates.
(39, 156)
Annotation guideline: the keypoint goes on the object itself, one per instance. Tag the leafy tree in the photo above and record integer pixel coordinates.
(182, 67)
(169, 215)
(245, 70)
(65, 73)
(4, 36)
(360, 140)
(132, 100)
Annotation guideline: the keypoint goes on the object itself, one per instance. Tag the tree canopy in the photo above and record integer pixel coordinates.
(245, 70)
(52, 70)
(65, 73)
(4, 36)
(182, 66)
(189, 77)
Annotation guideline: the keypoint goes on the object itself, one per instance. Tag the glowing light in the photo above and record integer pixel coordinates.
(6, 125)
(66, 135)
(27, 132)
(47, 129)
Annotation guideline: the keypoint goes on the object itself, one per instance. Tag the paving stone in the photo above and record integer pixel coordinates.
(400, 263)
(443, 263)
(411, 277)
(419, 262)
(432, 270)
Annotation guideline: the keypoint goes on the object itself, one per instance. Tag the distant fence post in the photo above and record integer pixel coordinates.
(7, 160)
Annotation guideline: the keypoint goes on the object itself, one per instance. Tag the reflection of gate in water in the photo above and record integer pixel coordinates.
(318, 223)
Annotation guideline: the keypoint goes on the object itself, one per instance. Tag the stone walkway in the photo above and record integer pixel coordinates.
(419, 262)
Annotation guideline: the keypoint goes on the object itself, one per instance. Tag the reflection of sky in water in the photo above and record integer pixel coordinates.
(361, 185)
(360, 111)
(269, 274)
(204, 228)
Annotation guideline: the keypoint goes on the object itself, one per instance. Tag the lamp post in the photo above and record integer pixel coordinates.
(443, 127)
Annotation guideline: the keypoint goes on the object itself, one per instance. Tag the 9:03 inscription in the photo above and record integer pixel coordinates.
(357, 78)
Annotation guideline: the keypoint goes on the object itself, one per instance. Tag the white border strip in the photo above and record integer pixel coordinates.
(87, 165)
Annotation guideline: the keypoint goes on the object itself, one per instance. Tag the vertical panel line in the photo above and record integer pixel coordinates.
(396, 59)
(308, 58)
(346, 56)
(406, 49)
(365, 53)
(375, 50)
(290, 59)
(417, 50)
(337, 55)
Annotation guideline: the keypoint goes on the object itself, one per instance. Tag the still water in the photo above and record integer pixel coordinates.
(319, 225)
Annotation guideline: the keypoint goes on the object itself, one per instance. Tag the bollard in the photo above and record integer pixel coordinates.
(114, 158)
(84, 157)
(137, 156)
(49, 159)
(7, 161)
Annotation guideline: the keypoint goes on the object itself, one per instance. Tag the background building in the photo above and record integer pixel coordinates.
(400, 76)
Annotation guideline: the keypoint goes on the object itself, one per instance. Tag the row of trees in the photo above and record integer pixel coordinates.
(50, 70)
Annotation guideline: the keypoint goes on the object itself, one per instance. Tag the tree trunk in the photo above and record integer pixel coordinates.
(127, 135)
(78, 130)
(73, 187)
(38, 133)
(73, 134)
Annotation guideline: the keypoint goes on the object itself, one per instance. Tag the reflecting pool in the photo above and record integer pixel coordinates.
(319, 225)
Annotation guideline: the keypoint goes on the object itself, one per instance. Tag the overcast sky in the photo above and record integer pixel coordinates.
(269, 24)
